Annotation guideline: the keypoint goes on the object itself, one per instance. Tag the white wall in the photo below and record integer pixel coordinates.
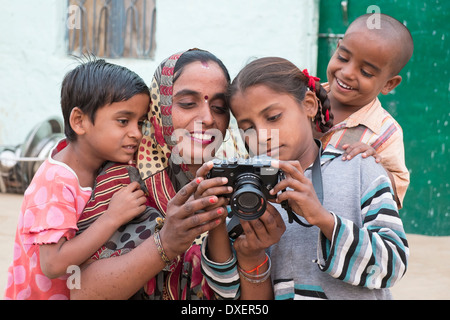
(33, 56)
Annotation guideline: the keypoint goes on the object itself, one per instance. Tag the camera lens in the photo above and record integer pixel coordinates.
(248, 201)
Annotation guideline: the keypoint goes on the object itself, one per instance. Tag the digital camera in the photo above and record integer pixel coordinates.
(251, 179)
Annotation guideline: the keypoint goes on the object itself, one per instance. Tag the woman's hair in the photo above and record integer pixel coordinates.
(194, 55)
(283, 76)
(94, 84)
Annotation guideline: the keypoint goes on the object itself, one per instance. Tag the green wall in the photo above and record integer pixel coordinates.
(421, 104)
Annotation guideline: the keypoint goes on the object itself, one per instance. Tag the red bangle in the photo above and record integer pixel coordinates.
(257, 268)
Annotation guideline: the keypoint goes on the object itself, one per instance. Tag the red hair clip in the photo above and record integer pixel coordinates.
(311, 80)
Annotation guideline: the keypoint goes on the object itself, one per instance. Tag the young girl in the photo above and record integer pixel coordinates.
(350, 238)
(104, 107)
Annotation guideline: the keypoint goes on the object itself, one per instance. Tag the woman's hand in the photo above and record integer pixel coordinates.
(352, 150)
(219, 248)
(212, 187)
(302, 197)
(187, 218)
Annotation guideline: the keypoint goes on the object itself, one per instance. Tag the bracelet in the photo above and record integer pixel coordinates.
(251, 280)
(160, 248)
(258, 278)
(257, 268)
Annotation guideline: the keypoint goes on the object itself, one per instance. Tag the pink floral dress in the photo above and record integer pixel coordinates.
(50, 210)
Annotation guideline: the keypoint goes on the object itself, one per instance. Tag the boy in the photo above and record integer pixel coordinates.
(365, 64)
(104, 107)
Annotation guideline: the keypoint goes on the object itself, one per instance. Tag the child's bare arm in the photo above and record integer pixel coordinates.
(258, 235)
(125, 204)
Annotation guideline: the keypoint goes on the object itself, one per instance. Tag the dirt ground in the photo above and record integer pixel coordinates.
(427, 278)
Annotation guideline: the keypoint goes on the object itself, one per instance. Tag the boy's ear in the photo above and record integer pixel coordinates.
(310, 104)
(391, 84)
(77, 121)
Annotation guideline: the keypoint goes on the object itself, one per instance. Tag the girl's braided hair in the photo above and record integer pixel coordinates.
(282, 75)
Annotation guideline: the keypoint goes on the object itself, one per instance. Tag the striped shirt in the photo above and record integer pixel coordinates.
(374, 126)
(368, 252)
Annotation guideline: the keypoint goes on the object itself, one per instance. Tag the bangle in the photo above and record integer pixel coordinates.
(258, 278)
(160, 248)
(252, 280)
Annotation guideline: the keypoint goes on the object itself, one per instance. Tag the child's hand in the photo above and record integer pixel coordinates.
(351, 150)
(126, 204)
(259, 234)
(302, 198)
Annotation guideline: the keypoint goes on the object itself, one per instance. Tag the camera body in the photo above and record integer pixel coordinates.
(251, 179)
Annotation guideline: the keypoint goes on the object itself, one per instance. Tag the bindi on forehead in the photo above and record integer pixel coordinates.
(205, 64)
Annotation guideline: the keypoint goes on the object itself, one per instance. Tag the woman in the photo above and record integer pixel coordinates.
(188, 118)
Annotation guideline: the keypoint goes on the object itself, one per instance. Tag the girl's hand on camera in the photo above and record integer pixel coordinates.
(302, 197)
(259, 234)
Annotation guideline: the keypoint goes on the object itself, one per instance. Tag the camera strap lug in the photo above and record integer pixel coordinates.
(316, 177)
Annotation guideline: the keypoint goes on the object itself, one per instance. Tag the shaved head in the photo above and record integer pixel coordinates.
(393, 33)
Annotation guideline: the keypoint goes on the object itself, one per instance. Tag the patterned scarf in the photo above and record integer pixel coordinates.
(155, 150)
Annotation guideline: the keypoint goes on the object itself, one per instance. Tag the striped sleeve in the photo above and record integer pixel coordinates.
(374, 255)
(223, 278)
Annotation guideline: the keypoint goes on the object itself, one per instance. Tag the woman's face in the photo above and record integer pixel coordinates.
(274, 123)
(200, 115)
